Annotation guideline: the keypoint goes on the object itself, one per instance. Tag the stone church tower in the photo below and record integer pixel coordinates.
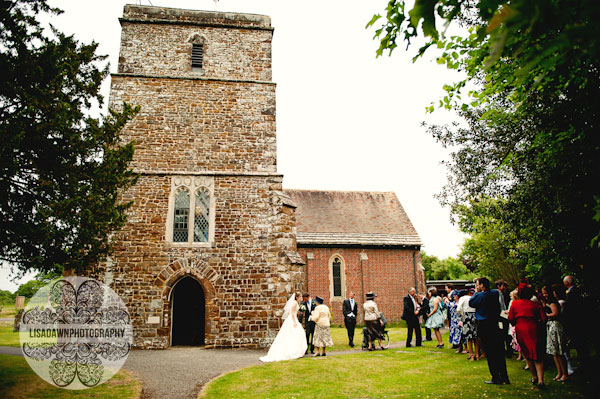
(208, 254)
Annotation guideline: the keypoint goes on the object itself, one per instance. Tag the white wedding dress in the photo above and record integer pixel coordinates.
(290, 342)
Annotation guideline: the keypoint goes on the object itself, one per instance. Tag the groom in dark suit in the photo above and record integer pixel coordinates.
(410, 314)
(350, 311)
(309, 325)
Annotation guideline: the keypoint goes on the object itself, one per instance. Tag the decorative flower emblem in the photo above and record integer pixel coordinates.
(76, 333)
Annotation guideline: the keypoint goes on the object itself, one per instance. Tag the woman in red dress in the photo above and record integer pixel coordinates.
(528, 319)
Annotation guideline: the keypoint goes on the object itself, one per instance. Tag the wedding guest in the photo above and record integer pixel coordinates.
(410, 314)
(350, 311)
(435, 317)
(511, 329)
(309, 325)
(455, 334)
(504, 297)
(555, 337)
(322, 318)
(561, 296)
(424, 312)
(574, 321)
(446, 298)
(372, 320)
(469, 328)
(487, 312)
(528, 318)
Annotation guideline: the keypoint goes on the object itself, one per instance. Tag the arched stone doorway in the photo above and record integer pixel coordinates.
(187, 313)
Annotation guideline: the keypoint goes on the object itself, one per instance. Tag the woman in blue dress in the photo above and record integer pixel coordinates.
(455, 329)
(435, 317)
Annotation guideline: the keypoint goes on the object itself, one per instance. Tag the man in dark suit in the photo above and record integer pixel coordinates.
(573, 317)
(309, 325)
(487, 313)
(410, 314)
(424, 312)
(350, 311)
(504, 297)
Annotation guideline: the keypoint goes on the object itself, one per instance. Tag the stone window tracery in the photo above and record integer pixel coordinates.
(191, 211)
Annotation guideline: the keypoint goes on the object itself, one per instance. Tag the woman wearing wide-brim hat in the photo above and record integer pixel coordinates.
(372, 320)
(322, 317)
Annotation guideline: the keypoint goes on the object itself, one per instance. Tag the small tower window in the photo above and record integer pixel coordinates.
(197, 56)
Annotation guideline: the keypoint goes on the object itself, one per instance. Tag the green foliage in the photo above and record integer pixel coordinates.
(492, 248)
(60, 169)
(524, 170)
(7, 297)
(533, 38)
(445, 269)
(29, 288)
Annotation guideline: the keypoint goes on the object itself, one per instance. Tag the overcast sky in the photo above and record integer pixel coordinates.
(346, 120)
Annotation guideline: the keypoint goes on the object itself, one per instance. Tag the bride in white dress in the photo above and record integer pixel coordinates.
(290, 342)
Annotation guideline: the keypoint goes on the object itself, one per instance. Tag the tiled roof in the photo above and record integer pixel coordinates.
(352, 218)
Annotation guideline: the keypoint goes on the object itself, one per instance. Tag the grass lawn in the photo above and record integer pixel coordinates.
(7, 336)
(8, 310)
(18, 381)
(424, 372)
(340, 337)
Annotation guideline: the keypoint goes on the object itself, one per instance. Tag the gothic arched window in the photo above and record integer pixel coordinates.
(191, 218)
(201, 215)
(337, 277)
(181, 215)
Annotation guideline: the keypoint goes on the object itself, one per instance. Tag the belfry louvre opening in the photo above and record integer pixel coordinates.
(197, 55)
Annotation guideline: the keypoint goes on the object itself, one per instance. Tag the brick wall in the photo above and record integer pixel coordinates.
(387, 272)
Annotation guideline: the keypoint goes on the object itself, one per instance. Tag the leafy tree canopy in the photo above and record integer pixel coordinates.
(29, 288)
(524, 168)
(6, 297)
(60, 168)
(445, 269)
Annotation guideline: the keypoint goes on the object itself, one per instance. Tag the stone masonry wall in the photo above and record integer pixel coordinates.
(388, 272)
(241, 51)
(215, 125)
(198, 125)
(243, 276)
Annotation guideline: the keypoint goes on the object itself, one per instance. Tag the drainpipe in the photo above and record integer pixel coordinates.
(363, 257)
(415, 270)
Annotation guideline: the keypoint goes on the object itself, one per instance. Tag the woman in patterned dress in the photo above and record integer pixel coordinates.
(455, 334)
(469, 326)
(555, 338)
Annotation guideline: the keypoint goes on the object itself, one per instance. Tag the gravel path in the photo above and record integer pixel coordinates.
(181, 372)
